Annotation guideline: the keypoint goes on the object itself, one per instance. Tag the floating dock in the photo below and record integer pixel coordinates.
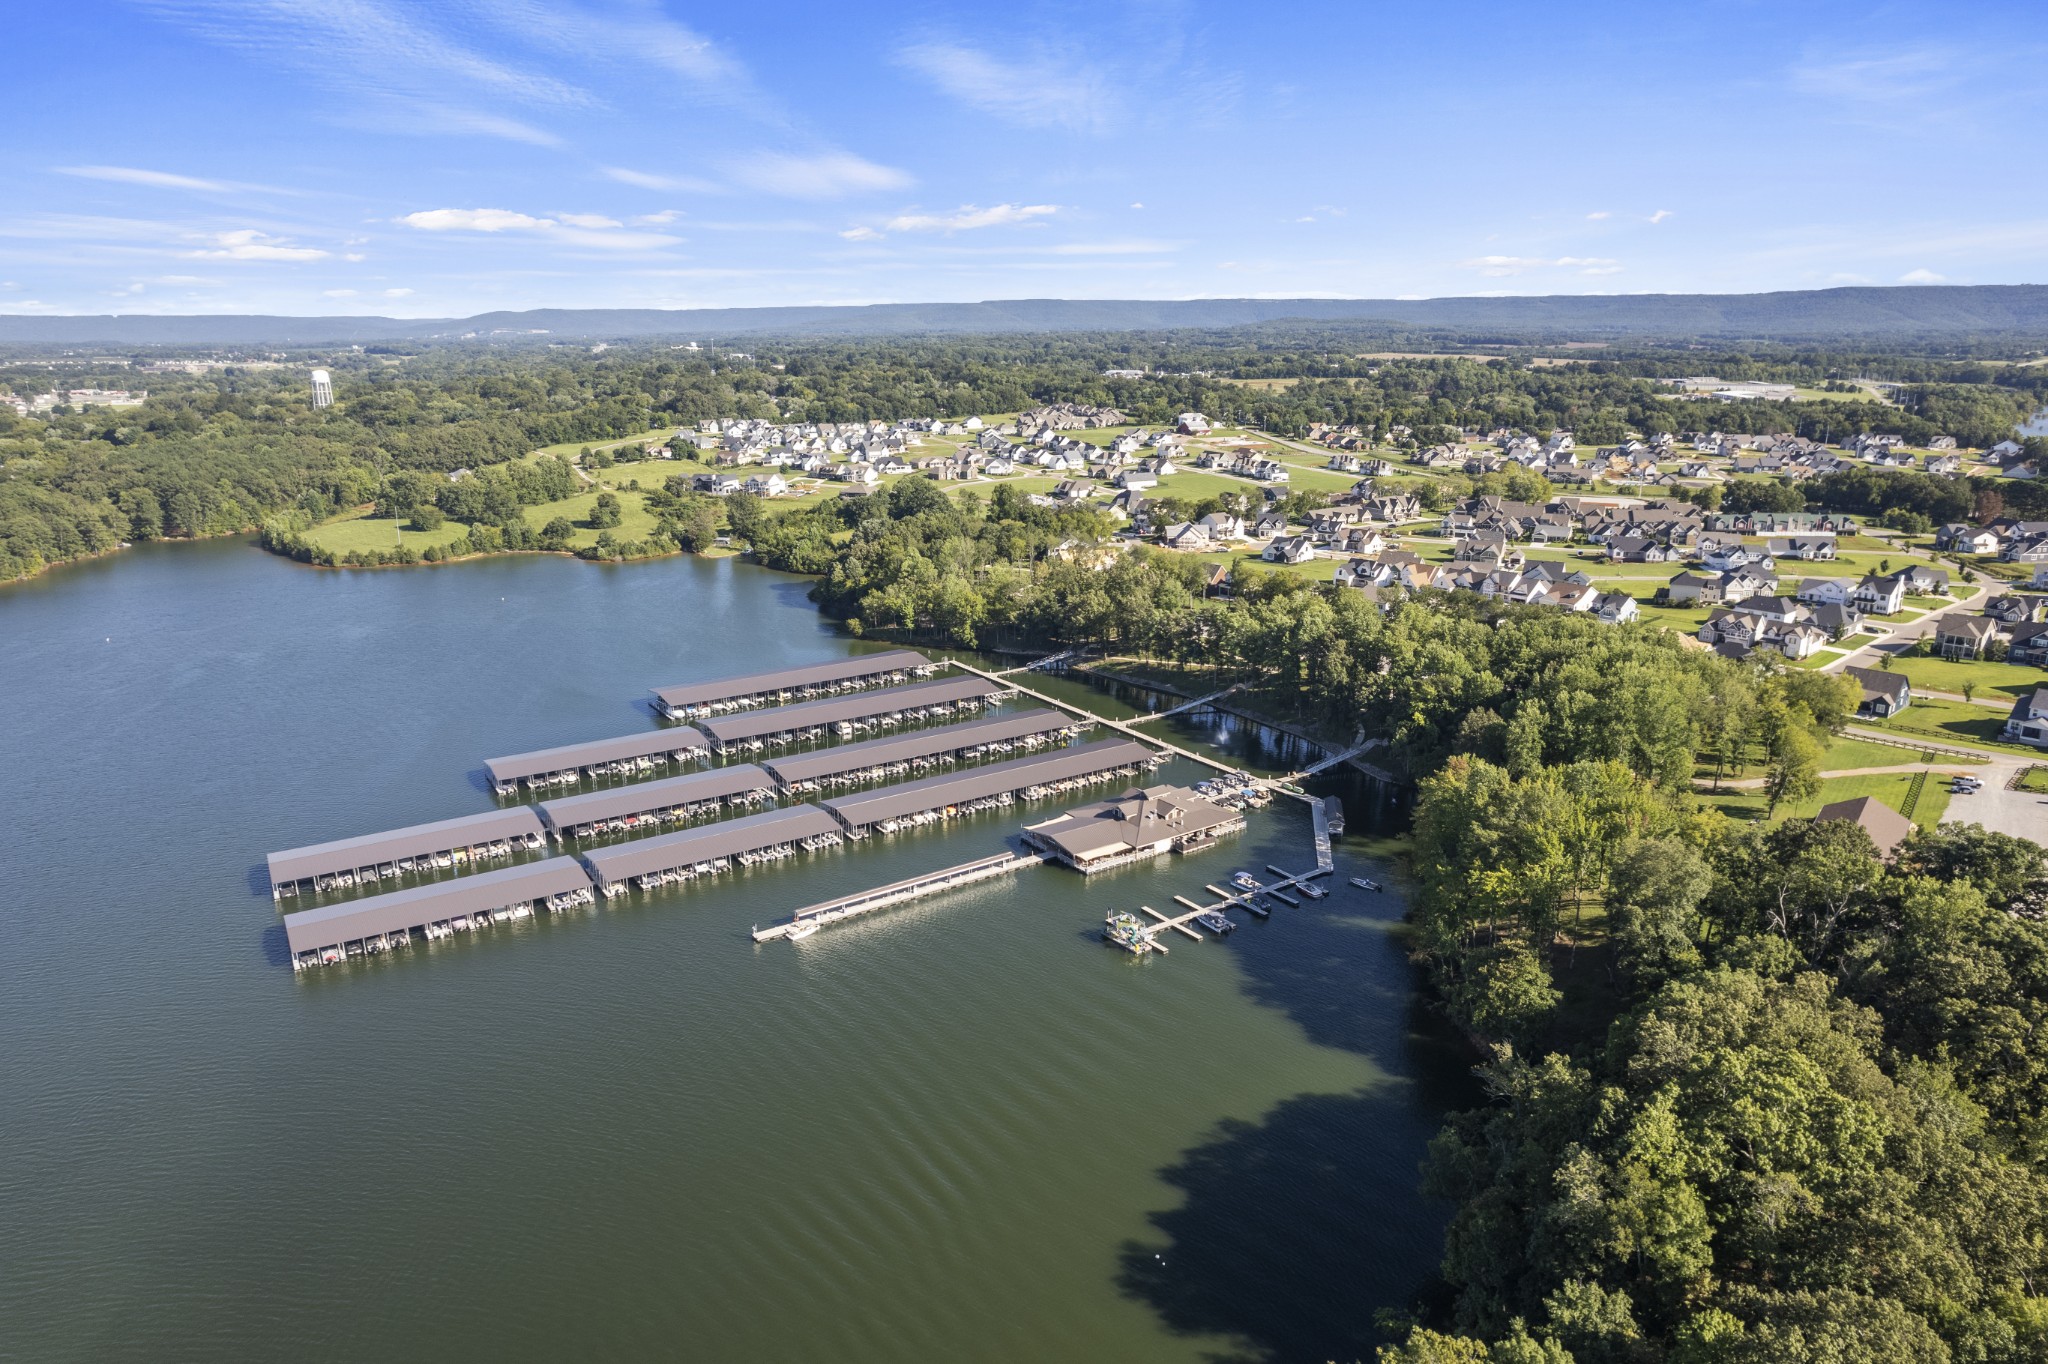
(897, 892)
(666, 858)
(441, 846)
(629, 755)
(690, 701)
(381, 923)
(650, 803)
(858, 764)
(846, 715)
(934, 798)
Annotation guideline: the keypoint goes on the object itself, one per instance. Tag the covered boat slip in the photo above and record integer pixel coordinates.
(648, 803)
(652, 862)
(440, 846)
(629, 755)
(382, 922)
(921, 802)
(697, 699)
(848, 715)
(875, 759)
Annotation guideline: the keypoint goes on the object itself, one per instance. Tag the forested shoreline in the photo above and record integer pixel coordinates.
(229, 450)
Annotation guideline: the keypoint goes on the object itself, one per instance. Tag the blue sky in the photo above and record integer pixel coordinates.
(387, 156)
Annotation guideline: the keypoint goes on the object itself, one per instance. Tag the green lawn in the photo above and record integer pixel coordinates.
(1949, 722)
(360, 532)
(1993, 679)
(1891, 788)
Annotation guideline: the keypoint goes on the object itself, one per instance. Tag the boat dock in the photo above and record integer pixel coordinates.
(1186, 706)
(898, 892)
(1228, 899)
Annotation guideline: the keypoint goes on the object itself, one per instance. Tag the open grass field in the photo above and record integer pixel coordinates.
(1993, 679)
(1949, 722)
(360, 532)
(1891, 788)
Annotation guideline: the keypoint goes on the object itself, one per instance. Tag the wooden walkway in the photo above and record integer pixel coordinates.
(1189, 705)
(1226, 899)
(897, 892)
(1120, 726)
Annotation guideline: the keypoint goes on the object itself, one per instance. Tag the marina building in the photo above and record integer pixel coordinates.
(699, 699)
(630, 755)
(440, 846)
(846, 716)
(649, 803)
(688, 853)
(935, 798)
(380, 923)
(880, 759)
(1133, 827)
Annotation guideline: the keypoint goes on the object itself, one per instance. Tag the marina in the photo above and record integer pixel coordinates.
(695, 700)
(879, 759)
(629, 756)
(645, 805)
(846, 716)
(383, 923)
(667, 859)
(444, 845)
(1132, 827)
(911, 804)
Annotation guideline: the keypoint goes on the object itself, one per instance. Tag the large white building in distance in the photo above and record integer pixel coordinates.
(323, 389)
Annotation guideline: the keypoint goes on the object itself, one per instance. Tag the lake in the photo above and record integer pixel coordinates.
(960, 1130)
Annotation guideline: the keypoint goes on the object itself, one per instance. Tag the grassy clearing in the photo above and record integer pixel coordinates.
(1993, 679)
(2035, 779)
(360, 532)
(1949, 722)
(1892, 788)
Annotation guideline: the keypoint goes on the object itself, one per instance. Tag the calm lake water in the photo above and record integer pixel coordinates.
(964, 1130)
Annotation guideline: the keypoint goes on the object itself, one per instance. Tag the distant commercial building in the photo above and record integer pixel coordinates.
(323, 389)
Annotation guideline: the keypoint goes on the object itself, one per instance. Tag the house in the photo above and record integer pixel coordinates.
(1267, 525)
(1364, 540)
(2028, 645)
(1637, 549)
(767, 485)
(2028, 723)
(1836, 619)
(2013, 609)
(1880, 595)
(1959, 537)
(1693, 587)
(1719, 556)
(1922, 581)
(1223, 526)
(1616, 608)
(1959, 636)
(1072, 490)
(1887, 827)
(1884, 694)
(1187, 535)
(1827, 591)
(1134, 480)
(1289, 549)
(1809, 548)
(1191, 424)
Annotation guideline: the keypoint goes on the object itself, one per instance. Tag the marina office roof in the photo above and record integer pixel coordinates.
(786, 679)
(594, 753)
(410, 908)
(570, 811)
(728, 838)
(370, 850)
(921, 743)
(895, 802)
(832, 709)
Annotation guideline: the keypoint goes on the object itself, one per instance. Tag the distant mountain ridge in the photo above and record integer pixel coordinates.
(1924, 311)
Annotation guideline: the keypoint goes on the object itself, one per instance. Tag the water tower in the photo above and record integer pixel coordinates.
(323, 389)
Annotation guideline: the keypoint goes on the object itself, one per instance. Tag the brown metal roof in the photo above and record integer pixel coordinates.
(831, 710)
(333, 925)
(922, 743)
(895, 802)
(370, 850)
(715, 784)
(728, 838)
(594, 753)
(788, 679)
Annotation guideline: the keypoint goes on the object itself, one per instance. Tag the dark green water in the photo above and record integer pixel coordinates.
(962, 1130)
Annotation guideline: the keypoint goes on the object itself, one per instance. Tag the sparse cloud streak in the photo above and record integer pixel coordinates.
(1041, 92)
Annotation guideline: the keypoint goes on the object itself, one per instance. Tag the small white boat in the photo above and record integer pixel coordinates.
(799, 931)
(1364, 884)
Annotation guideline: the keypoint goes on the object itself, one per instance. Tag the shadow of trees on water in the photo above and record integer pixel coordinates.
(1294, 1231)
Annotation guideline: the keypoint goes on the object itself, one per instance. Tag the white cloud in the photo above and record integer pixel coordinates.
(130, 175)
(1597, 216)
(338, 293)
(1922, 277)
(249, 244)
(1496, 266)
(831, 175)
(861, 234)
(661, 219)
(1881, 76)
(1044, 92)
(1137, 205)
(1660, 215)
(397, 293)
(592, 220)
(474, 220)
(684, 184)
(354, 256)
(968, 217)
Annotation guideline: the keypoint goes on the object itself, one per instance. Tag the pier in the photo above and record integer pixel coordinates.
(1186, 706)
(772, 688)
(898, 892)
(1226, 899)
(1125, 728)
(847, 715)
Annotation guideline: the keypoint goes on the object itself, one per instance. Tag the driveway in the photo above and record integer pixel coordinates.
(2003, 810)
(1903, 636)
